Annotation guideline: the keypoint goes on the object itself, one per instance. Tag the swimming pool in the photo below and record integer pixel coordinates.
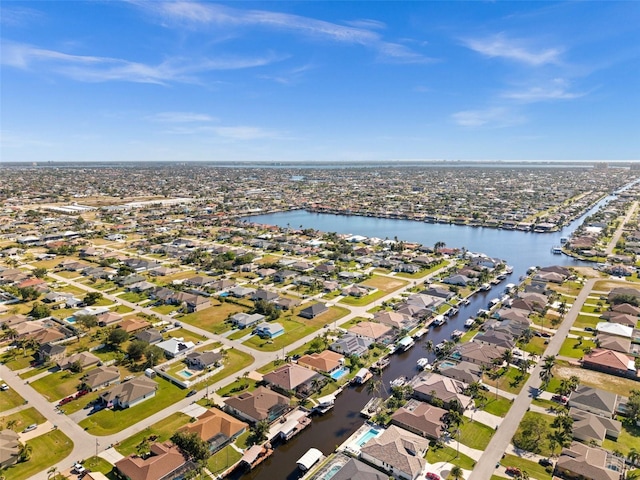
(341, 372)
(331, 472)
(369, 434)
(185, 373)
(70, 319)
(447, 364)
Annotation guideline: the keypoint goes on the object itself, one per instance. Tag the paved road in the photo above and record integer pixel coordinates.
(502, 438)
(85, 444)
(618, 233)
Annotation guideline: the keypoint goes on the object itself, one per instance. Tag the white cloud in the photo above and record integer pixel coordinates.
(513, 49)
(557, 90)
(101, 69)
(359, 32)
(19, 16)
(492, 117)
(181, 117)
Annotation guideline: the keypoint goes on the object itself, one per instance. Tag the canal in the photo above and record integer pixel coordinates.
(520, 250)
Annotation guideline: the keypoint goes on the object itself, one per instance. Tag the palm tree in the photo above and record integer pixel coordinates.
(457, 473)
(25, 452)
(507, 356)
(633, 456)
(546, 374)
(51, 473)
(428, 346)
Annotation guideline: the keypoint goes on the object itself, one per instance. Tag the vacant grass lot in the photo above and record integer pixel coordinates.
(213, 318)
(507, 382)
(58, 385)
(574, 348)
(536, 346)
(186, 335)
(106, 422)
(47, 450)
(543, 443)
(586, 321)
(495, 406)
(475, 435)
(223, 459)
(385, 285)
(162, 429)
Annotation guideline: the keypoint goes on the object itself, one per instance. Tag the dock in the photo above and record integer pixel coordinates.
(372, 407)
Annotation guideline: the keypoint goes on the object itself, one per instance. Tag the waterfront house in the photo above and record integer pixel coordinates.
(420, 418)
(439, 292)
(354, 469)
(101, 377)
(478, 353)
(398, 452)
(372, 330)
(261, 404)
(395, 320)
(323, 362)
(216, 427)
(466, 372)
(293, 379)
(165, 462)
(499, 339)
(351, 344)
(129, 393)
(430, 385)
(594, 400)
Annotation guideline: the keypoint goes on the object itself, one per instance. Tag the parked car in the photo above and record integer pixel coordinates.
(545, 462)
(31, 427)
(433, 476)
(560, 399)
(191, 393)
(78, 468)
(513, 471)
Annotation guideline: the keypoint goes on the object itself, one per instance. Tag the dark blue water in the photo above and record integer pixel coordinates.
(520, 249)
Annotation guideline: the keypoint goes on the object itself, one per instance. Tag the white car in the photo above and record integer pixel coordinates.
(31, 427)
(78, 468)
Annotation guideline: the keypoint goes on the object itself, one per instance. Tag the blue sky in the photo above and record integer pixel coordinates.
(319, 81)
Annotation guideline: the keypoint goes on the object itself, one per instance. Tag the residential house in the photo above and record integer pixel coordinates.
(439, 292)
(376, 332)
(323, 362)
(101, 377)
(108, 318)
(9, 448)
(150, 336)
(420, 418)
(458, 279)
(579, 461)
(265, 295)
(84, 359)
(354, 469)
(398, 452)
(293, 379)
(129, 393)
(244, 320)
(174, 347)
(449, 390)
(314, 310)
(165, 462)
(241, 292)
(615, 329)
(621, 318)
(612, 362)
(269, 330)
(261, 404)
(499, 339)
(216, 427)
(613, 342)
(466, 372)
(350, 344)
(203, 360)
(133, 324)
(588, 427)
(594, 400)
(284, 303)
(50, 353)
(396, 320)
(620, 291)
(284, 275)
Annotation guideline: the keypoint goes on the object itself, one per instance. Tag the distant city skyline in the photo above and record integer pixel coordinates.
(319, 81)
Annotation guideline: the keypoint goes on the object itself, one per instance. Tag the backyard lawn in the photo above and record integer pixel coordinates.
(629, 439)
(162, 429)
(220, 461)
(47, 450)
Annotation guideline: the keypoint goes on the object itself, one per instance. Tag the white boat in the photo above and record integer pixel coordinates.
(405, 343)
(362, 376)
(439, 320)
(439, 347)
(493, 302)
(468, 323)
(422, 363)
(465, 301)
(508, 269)
(451, 312)
(309, 459)
(485, 287)
(509, 287)
(398, 382)
(457, 334)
